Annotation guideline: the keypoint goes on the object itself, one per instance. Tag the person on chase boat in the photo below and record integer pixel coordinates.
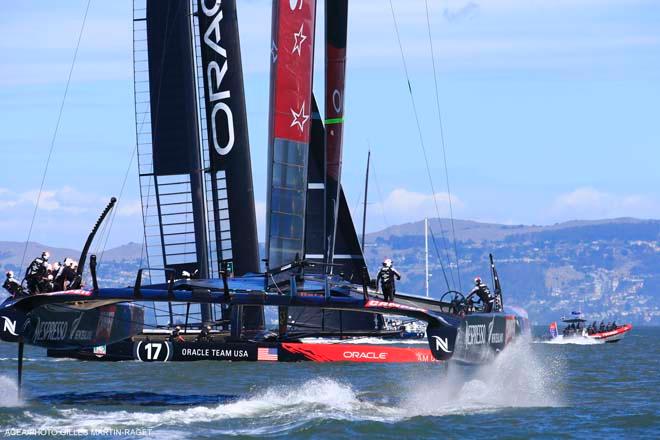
(386, 276)
(481, 290)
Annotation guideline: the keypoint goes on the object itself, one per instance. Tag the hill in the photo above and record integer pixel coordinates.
(609, 269)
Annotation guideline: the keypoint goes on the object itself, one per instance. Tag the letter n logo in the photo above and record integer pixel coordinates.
(9, 326)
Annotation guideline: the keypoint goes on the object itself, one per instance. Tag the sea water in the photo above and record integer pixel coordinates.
(530, 390)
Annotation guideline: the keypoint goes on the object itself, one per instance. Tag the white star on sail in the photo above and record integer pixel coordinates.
(298, 38)
(299, 118)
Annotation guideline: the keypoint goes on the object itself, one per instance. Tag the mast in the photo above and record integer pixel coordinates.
(366, 196)
(336, 23)
(426, 256)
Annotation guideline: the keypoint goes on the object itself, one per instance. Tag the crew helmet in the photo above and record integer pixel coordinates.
(10, 274)
(45, 255)
(387, 262)
(477, 281)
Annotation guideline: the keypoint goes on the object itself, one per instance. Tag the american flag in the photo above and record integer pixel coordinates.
(266, 354)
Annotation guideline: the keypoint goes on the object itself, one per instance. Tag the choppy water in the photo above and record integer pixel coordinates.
(532, 390)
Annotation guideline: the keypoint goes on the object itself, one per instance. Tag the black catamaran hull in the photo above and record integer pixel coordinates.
(473, 339)
(69, 326)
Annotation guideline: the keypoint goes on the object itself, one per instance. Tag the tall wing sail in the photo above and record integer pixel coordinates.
(289, 128)
(336, 24)
(226, 146)
(168, 140)
(171, 184)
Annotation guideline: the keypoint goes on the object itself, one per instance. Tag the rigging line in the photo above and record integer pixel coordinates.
(116, 209)
(444, 149)
(421, 137)
(435, 245)
(57, 127)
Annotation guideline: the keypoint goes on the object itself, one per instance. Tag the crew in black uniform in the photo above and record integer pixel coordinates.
(175, 336)
(386, 275)
(37, 273)
(481, 290)
(66, 275)
(205, 334)
(12, 285)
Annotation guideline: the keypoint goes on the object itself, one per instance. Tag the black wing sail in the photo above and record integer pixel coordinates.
(167, 130)
(315, 215)
(232, 217)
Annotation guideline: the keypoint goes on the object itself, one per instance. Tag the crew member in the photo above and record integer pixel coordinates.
(386, 275)
(37, 273)
(12, 285)
(481, 290)
(175, 336)
(66, 275)
(205, 334)
(602, 326)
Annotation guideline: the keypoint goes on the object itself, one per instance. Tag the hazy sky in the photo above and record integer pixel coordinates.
(551, 111)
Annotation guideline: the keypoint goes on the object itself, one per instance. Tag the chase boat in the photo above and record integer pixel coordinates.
(576, 328)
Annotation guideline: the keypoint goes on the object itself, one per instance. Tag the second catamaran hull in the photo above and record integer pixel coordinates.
(476, 339)
(167, 351)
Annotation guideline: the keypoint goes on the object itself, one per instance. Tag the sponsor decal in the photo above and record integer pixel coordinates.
(494, 338)
(390, 305)
(77, 334)
(371, 355)
(441, 344)
(354, 353)
(336, 100)
(214, 77)
(9, 326)
(475, 334)
(153, 351)
(50, 331)
(267, 354)
(293, 4)
(100, 351)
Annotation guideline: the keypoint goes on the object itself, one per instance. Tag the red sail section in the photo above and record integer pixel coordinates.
(294, 60)
(336, 16)
(292, 56)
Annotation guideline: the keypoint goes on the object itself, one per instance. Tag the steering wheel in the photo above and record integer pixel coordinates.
(456, 301)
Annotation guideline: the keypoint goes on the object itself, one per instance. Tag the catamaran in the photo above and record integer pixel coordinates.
(200, 225)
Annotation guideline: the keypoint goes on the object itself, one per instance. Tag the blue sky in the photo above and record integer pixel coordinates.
(550, 111)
